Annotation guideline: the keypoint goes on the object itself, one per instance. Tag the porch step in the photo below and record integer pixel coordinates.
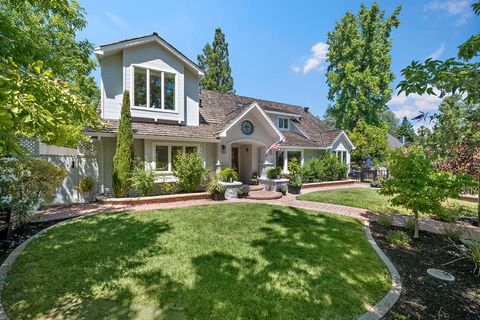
(255, 188)
(264, 195)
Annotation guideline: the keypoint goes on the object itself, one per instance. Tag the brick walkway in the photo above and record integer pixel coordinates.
(67, 211)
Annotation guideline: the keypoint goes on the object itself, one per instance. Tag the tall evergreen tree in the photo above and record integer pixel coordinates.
(215, 63)
(123, 159)
(406, 131)
(359, 73)
(391, 120)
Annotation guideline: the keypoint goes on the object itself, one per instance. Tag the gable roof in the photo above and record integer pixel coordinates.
(393, 142)
(113, 47)
(218, 110)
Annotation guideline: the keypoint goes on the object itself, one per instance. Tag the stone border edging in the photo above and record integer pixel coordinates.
(387, 302)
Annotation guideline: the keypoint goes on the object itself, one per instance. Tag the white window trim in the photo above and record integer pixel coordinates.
(148, 108)
(288, 124)
(169, 145)
(285, 158)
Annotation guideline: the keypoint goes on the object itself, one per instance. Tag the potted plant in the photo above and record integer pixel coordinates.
(295, 185)
(283, 189)
(85, 186)
(216, 189)
(254, 180)
(243, 192)
(274, 173)
(228, 175)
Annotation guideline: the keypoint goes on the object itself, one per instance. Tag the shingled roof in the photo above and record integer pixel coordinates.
(218, 109)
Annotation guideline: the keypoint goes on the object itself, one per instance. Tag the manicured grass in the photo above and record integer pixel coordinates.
(226, 261)
(370, 199)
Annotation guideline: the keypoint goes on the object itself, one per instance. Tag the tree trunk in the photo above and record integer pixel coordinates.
(415, 235)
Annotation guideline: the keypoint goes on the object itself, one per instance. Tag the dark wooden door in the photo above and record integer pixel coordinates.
(235, 158)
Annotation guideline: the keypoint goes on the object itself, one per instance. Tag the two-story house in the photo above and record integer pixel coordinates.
(171, 114)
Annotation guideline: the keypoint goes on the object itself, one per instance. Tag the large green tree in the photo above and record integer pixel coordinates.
(215, 63)
(391, 120)
(359, 73)
(123, 161)
(46, 90)
(457, 146)
(406, 131)
(369, 141)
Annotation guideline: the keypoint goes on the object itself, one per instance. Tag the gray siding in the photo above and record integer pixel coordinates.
(112, 86)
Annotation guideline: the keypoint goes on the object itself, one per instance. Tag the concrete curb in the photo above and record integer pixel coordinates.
(387, 302)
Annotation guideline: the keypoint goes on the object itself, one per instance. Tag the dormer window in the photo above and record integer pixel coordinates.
(283, 123)
(158, 86)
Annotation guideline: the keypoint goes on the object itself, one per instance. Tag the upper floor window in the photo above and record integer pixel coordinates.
(283, 123)
(153, 89)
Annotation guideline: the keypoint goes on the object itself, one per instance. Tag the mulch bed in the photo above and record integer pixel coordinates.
(423, 296)
(20, 234)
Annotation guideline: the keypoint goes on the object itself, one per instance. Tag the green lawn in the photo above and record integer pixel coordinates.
(226, 261)
(368, 198)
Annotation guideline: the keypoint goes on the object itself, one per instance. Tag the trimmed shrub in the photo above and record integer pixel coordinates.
(123, 160)
(228, 173)
(294, 167)
(273, 173)
(376, 183)
(384, 221)
(189, 170)
(243, 192)
(28, 183)
(325, 168)
(446, 215)
(143, 180)
(398, 238)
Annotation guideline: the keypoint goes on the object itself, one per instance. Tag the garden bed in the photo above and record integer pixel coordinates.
(22, 233)
(422, 296)
(155, 199)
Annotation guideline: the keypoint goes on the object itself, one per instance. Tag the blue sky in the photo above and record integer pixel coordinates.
(277, 49)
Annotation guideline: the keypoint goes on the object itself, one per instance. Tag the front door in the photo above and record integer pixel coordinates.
(235, 158)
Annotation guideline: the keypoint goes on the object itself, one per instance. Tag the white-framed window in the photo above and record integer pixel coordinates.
(153, 89)
(342, 156)
(283, 123)
(283, 156)
(164, 155)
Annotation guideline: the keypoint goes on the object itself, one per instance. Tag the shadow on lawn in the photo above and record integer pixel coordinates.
(309, 267)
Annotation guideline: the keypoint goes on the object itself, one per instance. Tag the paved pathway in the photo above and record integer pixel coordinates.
(67, 211)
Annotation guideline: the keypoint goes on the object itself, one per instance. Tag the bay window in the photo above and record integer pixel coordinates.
(164, 155)
(153, 89)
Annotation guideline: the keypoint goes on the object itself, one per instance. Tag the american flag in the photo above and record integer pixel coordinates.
(274, 147)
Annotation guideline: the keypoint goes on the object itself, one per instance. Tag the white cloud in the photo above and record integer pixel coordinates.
(437, 53)
(455, 8)
(410, 107)
(317, 56)
(117, 20)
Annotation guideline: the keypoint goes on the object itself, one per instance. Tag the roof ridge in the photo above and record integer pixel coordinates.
(255, 99)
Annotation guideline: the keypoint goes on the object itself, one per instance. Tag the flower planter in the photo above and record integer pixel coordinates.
(218, 196)
(294, 189)
(86, 196)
